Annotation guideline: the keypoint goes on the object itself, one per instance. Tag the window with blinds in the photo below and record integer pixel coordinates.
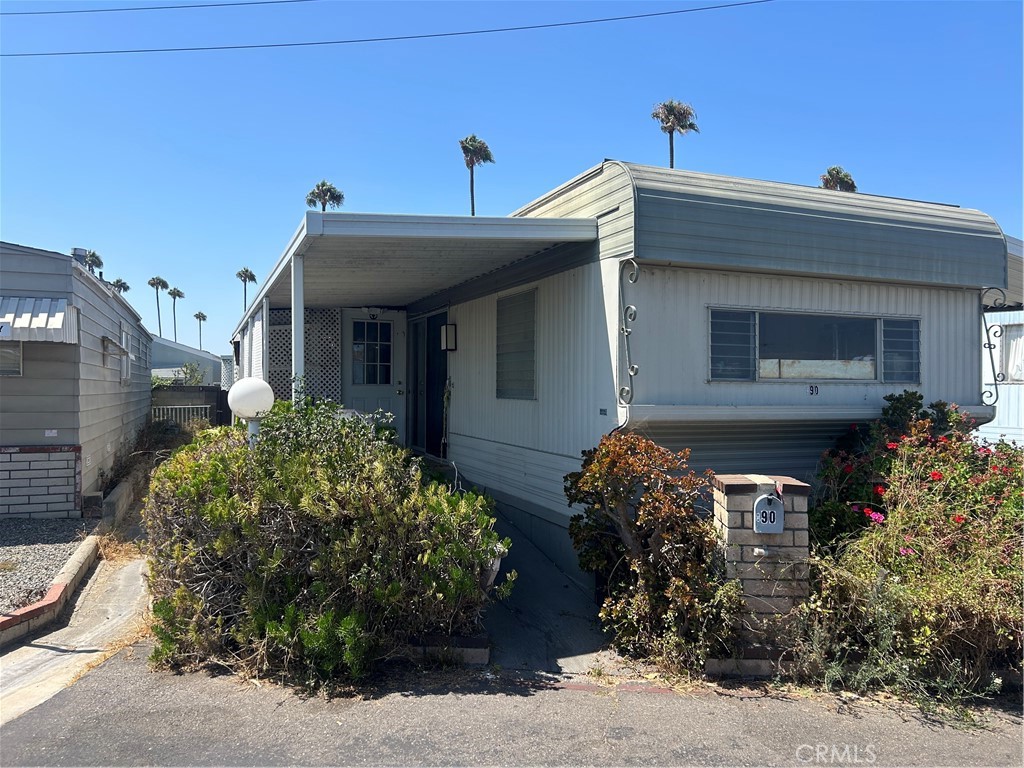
(516, 347)
(748, 345)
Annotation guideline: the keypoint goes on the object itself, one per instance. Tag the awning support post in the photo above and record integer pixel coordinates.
(298, 327)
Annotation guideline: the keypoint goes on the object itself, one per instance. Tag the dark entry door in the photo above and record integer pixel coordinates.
(429, 367)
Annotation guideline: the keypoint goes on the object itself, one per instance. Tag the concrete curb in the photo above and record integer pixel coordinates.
(21, 622)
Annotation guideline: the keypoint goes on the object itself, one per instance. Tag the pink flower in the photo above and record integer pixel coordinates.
(855, 507)
(877, 518)
(985, 451)
(880, 490)
(892, 446)
(908, 538)
(936, 476)
(958, 519)
(907, 551)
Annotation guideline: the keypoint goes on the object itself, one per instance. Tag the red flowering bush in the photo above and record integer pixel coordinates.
(927, 598)
(667, 597)
(851, 476)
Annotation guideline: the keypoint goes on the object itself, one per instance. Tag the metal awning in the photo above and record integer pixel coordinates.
(393, 260)
(38, 319)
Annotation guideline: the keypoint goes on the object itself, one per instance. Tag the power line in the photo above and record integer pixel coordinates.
(152, 8)
(391, 39)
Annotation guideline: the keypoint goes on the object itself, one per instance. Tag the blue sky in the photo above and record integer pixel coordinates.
(193, 165)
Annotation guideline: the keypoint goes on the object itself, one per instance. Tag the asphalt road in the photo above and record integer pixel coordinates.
(125, 714)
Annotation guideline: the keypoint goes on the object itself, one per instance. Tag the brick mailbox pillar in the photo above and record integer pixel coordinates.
(766, 549)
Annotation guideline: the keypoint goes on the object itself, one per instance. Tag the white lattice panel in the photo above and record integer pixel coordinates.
(323, 353)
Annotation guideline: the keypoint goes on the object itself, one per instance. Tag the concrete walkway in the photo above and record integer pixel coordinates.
(548, 625)
(106, 610)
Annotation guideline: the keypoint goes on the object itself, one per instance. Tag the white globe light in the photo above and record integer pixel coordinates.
(250, 398)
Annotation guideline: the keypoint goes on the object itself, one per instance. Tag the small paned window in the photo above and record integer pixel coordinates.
(371, 352)
(516, 347)
(10, 358)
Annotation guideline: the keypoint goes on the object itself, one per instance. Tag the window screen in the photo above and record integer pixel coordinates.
(10, 358)
(516, 345)
(732, 345)
(901, 342)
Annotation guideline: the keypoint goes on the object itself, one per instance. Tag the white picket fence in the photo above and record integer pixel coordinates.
(181, 414)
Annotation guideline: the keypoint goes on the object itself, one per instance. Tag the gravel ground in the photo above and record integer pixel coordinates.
(32, 552)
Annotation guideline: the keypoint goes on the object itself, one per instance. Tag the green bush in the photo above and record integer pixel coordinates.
(927, 599)
(668, 599)
(313, 554)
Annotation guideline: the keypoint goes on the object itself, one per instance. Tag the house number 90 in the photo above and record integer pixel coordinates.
(812, 390)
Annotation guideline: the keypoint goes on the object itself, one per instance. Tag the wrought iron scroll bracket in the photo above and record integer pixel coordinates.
(629, 272)
(994, 298)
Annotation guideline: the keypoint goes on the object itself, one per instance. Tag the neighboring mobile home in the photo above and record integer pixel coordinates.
(169, 357)
(750, 321)
(1004, 330)
(74, 381)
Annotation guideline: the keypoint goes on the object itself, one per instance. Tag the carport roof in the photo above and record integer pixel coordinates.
(392, 260)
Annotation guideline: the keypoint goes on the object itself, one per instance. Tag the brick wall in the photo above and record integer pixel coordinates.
(772, 567)
(41, 481)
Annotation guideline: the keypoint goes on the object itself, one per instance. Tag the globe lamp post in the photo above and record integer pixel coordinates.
(250, 399)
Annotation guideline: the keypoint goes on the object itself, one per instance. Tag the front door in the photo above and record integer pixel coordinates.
(373, 366)
(428, 376)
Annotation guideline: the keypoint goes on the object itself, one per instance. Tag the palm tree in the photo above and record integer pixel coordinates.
(675, 117)
(324, 194)
(201, 318)
(120, 286)
(175, 294)
(93, 262)
(837, 179)
(158, 284)
(246, 276)
(475, 152)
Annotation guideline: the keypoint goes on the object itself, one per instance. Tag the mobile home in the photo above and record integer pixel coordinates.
(750, 321)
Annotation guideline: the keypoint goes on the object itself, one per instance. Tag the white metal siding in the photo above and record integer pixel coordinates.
(605, 192)
(1009, 420)
(245, 364)
(256, 346)
(670, 336)
(524, 447)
